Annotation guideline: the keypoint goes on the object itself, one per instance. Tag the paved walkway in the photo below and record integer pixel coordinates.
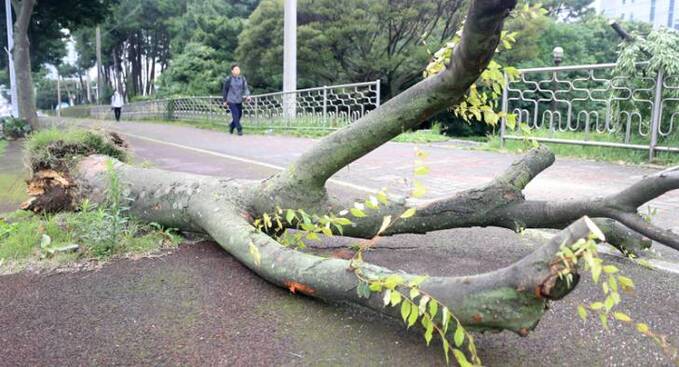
(198, 306)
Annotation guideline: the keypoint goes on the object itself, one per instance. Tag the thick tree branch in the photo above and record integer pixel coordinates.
(409, 109)
(501, 203)
(513, 298)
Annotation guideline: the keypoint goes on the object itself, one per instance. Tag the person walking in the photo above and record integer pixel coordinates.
(117, 104)
(234, 91)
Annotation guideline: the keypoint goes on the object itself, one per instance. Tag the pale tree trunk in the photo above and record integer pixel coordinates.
(22, 61)
(513, 298)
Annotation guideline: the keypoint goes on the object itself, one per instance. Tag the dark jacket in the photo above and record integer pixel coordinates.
(234, 89)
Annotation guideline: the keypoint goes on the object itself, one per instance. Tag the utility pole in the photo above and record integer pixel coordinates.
(58, 94)
(99, 91)
(290, 58)
(9, 49)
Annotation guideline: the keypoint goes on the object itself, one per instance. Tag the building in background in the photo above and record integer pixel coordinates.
(657, 12)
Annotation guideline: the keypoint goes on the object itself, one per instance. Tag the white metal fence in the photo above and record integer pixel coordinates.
(598, 107)
(326, 107)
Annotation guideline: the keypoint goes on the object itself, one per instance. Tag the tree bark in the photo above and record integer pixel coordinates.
(22, 61)
(513, 298)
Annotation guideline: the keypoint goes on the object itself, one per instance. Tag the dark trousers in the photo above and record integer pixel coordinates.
(236, 112)
(116, 112)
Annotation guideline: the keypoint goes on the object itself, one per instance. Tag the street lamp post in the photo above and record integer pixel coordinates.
(557, 55)
(10, 64)
(290, 58)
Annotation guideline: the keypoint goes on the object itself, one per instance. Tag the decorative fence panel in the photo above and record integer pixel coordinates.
(590, 105)
(327, 107)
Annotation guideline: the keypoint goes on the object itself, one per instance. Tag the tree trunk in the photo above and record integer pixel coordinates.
(22, 61)
(513, 298)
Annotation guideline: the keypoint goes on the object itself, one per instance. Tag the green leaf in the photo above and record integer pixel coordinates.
(376, 287)
(610, 269)
(596, 306)
(421, 170)
(392, 281)
(326, 231)
(414, 292)
(313, 236)
(622, 317)
(459, 335)
(582, 312)
(419, 190)
(429, 332)
(363, 290)
(625, 282)
(290, 215)
(412, 318)
(446, 349)
(433, 308)
(382, 198)
(609, 303)
(395, 298)
(461, 358)
(405, 310)
(408, 213)
(342, 221)
(596, 272)
(604, 320)
(445, 319)
(358, 213)
(423, 304)
(642, 328)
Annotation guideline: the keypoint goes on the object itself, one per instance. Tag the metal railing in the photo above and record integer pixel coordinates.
(327, 107)
(590, 105)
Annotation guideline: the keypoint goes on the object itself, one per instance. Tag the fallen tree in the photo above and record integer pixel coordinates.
(513, 298)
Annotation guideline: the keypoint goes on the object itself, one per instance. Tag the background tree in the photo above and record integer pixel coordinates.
(30, 18)
(366, 40)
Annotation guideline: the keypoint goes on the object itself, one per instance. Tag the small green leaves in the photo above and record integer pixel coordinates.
(461, 358)
(408, 213)
(459, 335)
(642, 328)
(421, 170)
(625, 282)
(405, 310)
(622, 317)
(358, 213)
(423, 304)
(582, 312)
(290, 216)
(363, 289)
(418, 189)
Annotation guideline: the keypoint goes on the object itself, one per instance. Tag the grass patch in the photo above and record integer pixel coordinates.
(12, 190)
(54, 148)
(589, 152)
(31, 239)
(422, 136)
(3, 147)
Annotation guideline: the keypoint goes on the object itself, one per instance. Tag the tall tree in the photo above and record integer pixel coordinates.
(366, 40)
(31, 15)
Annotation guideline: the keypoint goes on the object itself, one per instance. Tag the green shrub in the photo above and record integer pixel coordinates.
(14, 128)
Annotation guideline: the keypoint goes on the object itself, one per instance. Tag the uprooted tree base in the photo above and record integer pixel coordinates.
(513, 298)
